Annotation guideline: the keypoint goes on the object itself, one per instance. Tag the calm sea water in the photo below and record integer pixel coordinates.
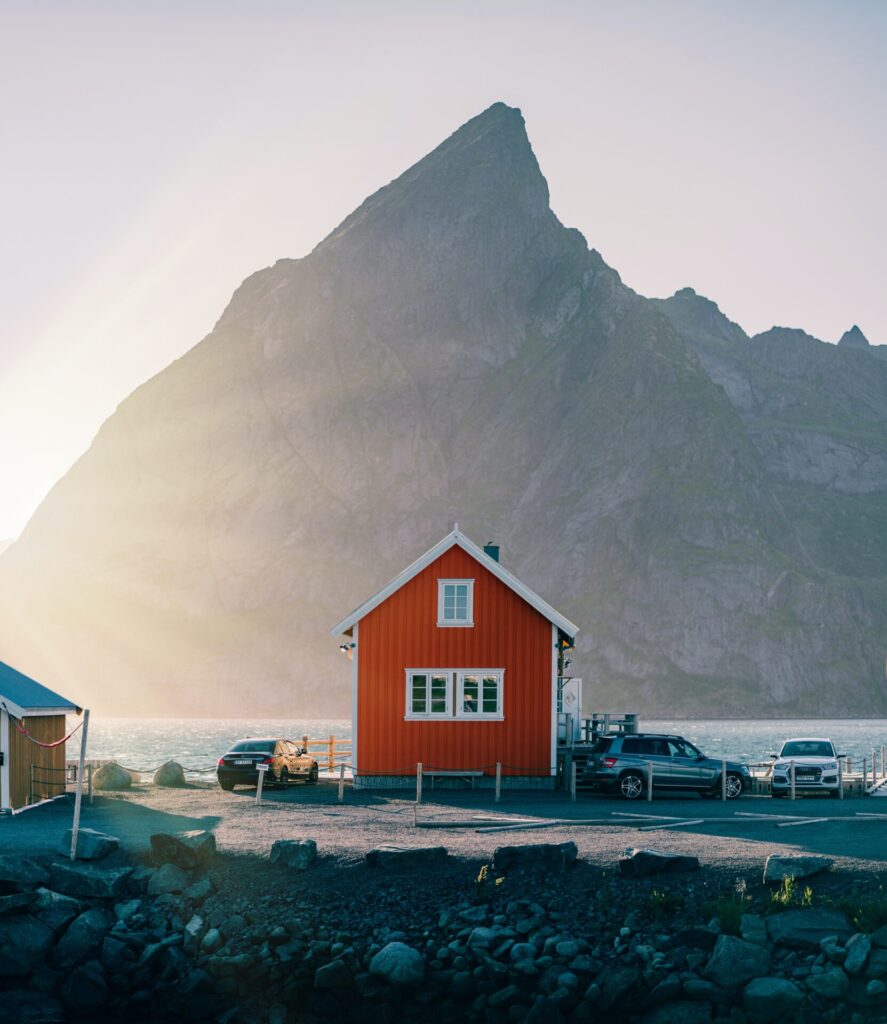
(197, 743)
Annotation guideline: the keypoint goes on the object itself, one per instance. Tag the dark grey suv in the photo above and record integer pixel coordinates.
(620, 764)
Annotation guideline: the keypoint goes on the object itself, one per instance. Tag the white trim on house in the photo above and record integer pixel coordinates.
(455, 695)
(5, 796)
(475, 716)
(428, 716)
(554, 653)
(451, 540)
(442, 620)
(20, 712)
(355, 654)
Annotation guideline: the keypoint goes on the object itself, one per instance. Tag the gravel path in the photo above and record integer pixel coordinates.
(367, 820)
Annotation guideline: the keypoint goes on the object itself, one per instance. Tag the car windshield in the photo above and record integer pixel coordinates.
(807, 748)
(253, 747)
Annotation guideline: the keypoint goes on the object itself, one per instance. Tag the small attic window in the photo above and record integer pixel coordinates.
(455, 602)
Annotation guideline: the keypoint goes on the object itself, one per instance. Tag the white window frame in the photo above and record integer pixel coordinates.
(488, 716)
(455, 697)
(433, 716)
(451, 623)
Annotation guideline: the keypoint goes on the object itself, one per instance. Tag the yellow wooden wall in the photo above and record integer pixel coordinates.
(23, 753)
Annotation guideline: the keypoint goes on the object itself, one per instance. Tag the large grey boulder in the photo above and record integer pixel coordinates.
(805, 929)
(24, 942)
(399, 965)
(22, 872)
(735, 962)
(297, 854)
(83, 938)
(194, 849)
(16, 903)
(111, 777)
(75, 879)
(91, 845)
(557, 856)
(753, 929)
(84, 990)
(771, 999)
(55, 910)
(877, 967)
(858, 948)
(778, 867)
(405, 856)
(833, 984)
(643, 863)
(168, 878)
(170, 775)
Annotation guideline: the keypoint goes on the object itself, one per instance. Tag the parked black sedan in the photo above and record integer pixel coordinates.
(286, 761)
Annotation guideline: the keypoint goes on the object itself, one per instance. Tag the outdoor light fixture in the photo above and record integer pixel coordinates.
(347, 648)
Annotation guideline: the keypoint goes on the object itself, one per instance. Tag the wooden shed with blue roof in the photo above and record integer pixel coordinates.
(32, 740)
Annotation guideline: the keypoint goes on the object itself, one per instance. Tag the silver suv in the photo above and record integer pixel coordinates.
(620, 764)
(816, 767)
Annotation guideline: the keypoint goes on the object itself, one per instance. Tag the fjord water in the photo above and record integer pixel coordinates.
(196, 743)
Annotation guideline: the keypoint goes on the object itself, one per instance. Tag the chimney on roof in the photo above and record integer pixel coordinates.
(492, 550)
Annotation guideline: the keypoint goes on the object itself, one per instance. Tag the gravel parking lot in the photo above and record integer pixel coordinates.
(370, 819)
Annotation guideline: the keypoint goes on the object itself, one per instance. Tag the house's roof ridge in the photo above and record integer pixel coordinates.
(20, 693)
(456, 537)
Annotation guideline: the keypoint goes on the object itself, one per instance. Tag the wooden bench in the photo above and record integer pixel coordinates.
(469, 775)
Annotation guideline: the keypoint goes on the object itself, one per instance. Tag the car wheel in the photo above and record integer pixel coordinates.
(631, 786)
(313, 774)
(734, 786)
(228, 786)
(284, 777)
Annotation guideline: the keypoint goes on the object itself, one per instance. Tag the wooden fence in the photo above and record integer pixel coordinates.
(329, 753)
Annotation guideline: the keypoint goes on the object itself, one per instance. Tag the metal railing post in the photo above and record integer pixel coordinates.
(341, 783)
(649, 781)
(865, 775)
(840, 780)
(792, 774)
(498, 781)
(573, 782)
(419, 783)
(723, 780)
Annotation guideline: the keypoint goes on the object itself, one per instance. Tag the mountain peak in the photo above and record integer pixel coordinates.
(484, 176)
(854, 338)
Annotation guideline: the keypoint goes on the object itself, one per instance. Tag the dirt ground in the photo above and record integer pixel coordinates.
(345, 832)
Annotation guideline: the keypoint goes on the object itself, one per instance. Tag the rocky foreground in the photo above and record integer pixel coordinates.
(534, 936)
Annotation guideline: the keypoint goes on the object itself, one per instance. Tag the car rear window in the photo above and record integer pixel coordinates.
(253, 747)
(601, 746)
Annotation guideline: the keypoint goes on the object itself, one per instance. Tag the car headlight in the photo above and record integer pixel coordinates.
(830, 767)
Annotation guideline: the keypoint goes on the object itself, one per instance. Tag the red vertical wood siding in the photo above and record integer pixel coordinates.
(402, 633)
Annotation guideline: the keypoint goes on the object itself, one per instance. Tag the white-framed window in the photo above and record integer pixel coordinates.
(455, 602)
(450, 694)
(479, 693)
(428, 693)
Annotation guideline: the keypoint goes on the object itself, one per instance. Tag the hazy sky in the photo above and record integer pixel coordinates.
(156, 153)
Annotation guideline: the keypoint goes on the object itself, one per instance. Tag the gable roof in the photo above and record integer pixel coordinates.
(454, 539)
(23, 695)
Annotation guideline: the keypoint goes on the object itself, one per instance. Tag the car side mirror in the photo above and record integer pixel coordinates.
(840, 755)
(774, 756)
(700, 757)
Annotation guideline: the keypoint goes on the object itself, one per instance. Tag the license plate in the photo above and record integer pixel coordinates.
(243, 762)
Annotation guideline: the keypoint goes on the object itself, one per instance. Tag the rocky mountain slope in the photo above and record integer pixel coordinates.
(708, 507)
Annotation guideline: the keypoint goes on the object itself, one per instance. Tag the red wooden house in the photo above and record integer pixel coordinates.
(455, 666)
